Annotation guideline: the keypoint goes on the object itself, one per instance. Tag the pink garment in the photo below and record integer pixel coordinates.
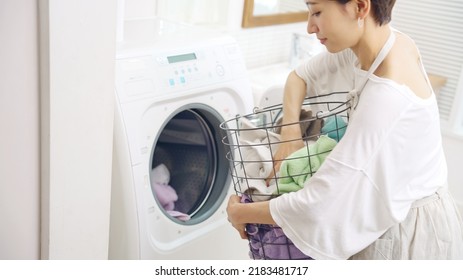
(166, 195)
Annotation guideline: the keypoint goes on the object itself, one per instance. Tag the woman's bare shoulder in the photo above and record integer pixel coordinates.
(403, 65)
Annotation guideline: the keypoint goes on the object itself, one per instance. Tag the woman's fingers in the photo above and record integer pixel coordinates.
(233, 202)
(272, 175)
(283, 151)
(241, 230)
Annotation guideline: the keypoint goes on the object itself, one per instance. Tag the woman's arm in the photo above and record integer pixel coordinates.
(291, 135)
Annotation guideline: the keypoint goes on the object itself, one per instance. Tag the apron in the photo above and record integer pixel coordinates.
(433, 228)
(354, 95)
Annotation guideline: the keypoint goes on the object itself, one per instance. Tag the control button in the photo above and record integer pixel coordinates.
(182, 80)
(171, 82)
(220, 70)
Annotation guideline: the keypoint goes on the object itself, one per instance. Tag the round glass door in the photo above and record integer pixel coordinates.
(189, 175)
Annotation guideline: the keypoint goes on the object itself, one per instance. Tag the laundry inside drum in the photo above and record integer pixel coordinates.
(189, 147)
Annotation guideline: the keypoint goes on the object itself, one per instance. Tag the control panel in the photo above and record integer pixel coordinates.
(189, 69)
(161, 72)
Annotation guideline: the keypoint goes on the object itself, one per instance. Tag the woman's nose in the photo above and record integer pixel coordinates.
(311, 26)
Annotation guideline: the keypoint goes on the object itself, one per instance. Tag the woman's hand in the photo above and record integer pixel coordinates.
(233, 206)
(284, 150)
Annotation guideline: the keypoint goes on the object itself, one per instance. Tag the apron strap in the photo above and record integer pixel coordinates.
(354, 94)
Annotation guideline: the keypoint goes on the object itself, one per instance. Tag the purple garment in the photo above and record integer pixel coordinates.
(268, 242)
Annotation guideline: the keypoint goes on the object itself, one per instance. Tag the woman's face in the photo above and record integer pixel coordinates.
(334, 24)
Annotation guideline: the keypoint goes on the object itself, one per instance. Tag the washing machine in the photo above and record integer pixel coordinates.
(171, 180)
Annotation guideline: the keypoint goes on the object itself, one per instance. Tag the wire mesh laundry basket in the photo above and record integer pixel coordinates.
(252, 141)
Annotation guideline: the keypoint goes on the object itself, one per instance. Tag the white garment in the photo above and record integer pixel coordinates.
(390, 156)
(256, 147)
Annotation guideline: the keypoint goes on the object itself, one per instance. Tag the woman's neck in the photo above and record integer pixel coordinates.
(370, 44)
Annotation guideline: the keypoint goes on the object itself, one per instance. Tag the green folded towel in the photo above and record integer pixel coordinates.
(298, 167)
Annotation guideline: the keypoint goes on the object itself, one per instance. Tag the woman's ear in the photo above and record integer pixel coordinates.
(363, 8)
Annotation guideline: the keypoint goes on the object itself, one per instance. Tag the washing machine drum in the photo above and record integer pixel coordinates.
(192, 177)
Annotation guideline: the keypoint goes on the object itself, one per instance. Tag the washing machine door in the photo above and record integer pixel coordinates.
(190, 173)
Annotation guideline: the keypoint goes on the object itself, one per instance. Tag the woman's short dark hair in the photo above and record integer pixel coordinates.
(382, 10)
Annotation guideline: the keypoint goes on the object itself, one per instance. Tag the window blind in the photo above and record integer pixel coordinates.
(437, 29)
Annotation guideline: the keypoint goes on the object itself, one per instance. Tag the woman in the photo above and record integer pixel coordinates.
(381, 193)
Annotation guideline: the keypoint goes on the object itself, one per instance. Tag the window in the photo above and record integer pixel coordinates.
(436, 27)
(457, 113)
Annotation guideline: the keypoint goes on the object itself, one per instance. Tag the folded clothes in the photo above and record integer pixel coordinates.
(334, 127)
(270, 243)
(256, 161)
(298, 167)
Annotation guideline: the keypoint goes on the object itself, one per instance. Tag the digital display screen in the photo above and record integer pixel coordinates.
(181, 57)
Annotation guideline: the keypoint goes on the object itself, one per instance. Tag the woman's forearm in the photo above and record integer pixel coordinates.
(257, 212)
(295, 92)
(291, 135)
(246, 213)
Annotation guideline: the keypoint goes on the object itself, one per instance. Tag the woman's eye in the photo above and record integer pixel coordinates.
(316, 14)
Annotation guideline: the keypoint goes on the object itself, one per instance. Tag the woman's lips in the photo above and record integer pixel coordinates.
(322, 41)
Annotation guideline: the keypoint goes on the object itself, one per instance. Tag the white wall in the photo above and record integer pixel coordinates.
(19, 129)
(56, 143)
(77, 43)
(453, 147)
